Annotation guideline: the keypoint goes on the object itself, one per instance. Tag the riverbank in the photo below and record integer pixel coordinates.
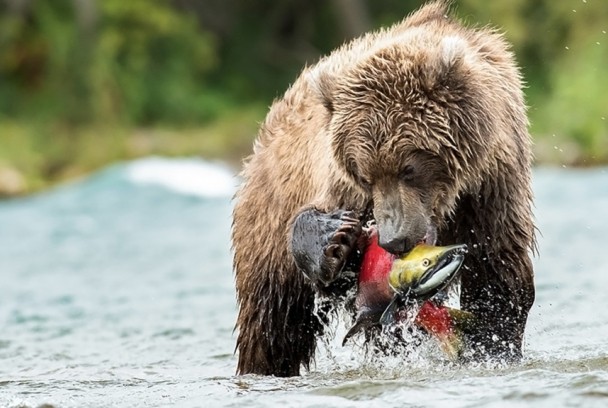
(35, 156)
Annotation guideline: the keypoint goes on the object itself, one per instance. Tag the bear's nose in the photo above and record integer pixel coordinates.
(395, 245)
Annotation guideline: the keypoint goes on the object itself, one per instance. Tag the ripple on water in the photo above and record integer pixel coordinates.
(364, 390)
(18, 317)
(175, 334)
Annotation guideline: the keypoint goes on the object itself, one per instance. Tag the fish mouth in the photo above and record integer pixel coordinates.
(440, 275)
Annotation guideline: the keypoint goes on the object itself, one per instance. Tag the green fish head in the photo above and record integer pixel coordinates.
(425, 270)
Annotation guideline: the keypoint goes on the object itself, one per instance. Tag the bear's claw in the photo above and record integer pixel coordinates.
(323, 242)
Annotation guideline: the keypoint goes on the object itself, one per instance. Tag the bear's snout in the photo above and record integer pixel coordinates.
(398, 233)
(400, 218)
(395, 242)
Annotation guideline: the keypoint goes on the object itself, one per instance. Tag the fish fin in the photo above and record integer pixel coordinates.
(353, 330)
(367, 316)
(388, 317)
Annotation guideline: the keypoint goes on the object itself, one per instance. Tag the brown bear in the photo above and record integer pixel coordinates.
(421, 128)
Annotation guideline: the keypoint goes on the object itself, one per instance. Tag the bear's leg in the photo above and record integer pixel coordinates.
(277, 324)
(277, 332)
(500, 292)
(323, 243)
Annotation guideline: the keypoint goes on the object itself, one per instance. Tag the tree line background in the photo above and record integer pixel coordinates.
(87, 82)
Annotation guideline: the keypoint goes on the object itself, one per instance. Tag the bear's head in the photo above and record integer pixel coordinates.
(407, 127)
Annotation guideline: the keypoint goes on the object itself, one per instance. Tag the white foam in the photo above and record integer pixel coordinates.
(186, 176)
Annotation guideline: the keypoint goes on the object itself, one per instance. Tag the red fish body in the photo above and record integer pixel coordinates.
(435, 319)
(442, 322)
(374, 294)
(374, 290)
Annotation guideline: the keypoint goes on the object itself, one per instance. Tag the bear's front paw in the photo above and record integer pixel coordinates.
(322, 243)
(339, 247)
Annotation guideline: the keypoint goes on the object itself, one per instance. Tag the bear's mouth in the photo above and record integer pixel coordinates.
(429, 238)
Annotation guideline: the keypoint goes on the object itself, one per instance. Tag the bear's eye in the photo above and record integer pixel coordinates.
(408, 173)
(426, 262)
(365, 184)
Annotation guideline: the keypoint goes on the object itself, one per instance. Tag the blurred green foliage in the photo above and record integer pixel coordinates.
(137, 61)
(80, 79)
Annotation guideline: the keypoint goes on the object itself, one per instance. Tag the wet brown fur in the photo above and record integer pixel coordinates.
(426, 91)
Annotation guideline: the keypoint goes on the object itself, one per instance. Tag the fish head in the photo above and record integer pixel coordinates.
(425, 270)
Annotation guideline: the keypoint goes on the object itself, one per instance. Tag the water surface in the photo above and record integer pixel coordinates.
(117, 291)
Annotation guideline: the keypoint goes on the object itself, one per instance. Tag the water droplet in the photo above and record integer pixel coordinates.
(555, 147)
(573, 10)
(603, 31)
(567, 49)
(597, 42)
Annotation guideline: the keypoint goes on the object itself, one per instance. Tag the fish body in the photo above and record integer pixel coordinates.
(373, 292)
(446, 324)
(387, 283)
(374, 289)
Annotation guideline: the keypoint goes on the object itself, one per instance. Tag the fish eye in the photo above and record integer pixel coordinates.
(426, 262)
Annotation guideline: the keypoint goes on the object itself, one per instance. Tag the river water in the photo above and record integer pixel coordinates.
(117, 291)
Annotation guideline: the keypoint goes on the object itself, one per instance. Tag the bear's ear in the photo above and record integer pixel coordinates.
(322, 85)
(444, 67)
